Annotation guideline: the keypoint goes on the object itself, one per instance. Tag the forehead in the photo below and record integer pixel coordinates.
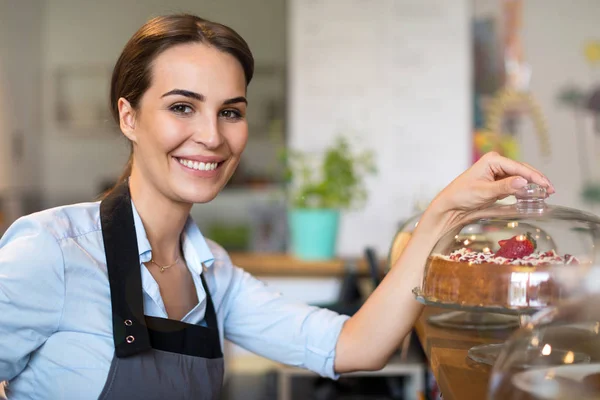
(200, 68)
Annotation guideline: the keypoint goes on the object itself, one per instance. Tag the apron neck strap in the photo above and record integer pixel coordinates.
(210, 314)
(122, 261)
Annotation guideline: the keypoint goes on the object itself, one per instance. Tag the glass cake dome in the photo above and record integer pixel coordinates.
(497, 258)
(561, 346)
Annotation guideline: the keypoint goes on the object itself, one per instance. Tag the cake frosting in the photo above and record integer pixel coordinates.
(466, 255)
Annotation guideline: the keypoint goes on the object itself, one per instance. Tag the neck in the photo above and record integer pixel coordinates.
(163, 218)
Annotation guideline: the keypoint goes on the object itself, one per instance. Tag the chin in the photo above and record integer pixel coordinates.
(197, 195)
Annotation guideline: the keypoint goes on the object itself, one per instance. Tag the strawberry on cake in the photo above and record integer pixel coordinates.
(514, 276)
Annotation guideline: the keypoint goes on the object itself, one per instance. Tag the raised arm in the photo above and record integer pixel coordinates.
(374, 333)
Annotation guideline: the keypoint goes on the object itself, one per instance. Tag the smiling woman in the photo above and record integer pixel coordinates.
(125, 298)
(179, 88)
(204, 122)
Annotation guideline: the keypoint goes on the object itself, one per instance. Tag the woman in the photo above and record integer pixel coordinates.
(126, 298)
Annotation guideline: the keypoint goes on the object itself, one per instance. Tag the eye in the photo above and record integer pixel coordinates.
(181, 109)
(231, 114)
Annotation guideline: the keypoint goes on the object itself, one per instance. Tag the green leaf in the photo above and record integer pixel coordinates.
(336, 180)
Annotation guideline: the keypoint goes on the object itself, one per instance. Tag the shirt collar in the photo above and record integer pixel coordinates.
(195, 247)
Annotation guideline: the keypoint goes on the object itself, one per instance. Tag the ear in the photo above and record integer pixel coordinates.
(127, 119)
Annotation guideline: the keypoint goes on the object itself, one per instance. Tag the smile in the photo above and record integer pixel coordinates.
(198, 165)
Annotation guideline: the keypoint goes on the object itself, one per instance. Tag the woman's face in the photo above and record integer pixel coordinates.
(190, 127)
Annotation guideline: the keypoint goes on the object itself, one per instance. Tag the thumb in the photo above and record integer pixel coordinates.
(507, 186)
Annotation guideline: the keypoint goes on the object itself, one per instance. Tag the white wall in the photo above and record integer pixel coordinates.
(20, 82)
(5, 129)
(20, 104)
(92, 33)
(395, 74)
(554, 34)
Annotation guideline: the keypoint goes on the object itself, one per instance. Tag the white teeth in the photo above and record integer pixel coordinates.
(198, 165)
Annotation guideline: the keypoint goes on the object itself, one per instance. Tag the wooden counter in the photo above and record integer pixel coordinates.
(275, 264)
(458, 377)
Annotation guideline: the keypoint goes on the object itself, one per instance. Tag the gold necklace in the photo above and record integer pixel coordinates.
(164, 267)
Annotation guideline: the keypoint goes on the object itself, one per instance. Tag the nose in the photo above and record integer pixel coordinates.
(207, 132)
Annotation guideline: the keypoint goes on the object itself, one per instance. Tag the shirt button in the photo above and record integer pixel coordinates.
(129, 339)
(128, 322)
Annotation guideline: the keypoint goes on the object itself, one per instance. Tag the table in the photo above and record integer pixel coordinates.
(285, 265)
(458, 377)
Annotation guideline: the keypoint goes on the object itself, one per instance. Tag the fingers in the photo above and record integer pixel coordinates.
(504, 187)
(505, 167)
(551, 187)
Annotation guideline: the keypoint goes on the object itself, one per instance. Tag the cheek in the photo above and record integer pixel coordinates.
(237, 137)
(169, 133)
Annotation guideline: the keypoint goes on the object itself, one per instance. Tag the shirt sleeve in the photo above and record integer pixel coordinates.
(262, 321)
(31, 292)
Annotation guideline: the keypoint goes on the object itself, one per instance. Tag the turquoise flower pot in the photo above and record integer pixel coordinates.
(313, 233)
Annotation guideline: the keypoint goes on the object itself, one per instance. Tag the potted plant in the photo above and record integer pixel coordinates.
(319, 187)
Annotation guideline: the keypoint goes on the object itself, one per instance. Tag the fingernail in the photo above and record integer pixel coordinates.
(548, 184)
(518, 183)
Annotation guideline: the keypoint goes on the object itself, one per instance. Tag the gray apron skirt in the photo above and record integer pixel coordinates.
(155, 358)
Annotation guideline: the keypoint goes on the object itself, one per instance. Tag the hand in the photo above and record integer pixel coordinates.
(491, 178)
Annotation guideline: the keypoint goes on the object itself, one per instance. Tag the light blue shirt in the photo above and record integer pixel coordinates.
(56, 339)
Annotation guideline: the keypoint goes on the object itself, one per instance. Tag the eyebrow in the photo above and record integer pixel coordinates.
(240, 99)
(201, 97)
(185, 93)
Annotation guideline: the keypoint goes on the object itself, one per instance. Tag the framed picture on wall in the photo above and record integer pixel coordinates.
(81, 99)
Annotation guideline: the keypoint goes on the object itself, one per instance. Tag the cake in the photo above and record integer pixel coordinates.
(515, 276)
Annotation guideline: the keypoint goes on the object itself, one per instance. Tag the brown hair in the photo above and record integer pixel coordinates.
(131, 75)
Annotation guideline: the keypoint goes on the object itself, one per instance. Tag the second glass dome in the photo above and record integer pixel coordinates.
(556, 355)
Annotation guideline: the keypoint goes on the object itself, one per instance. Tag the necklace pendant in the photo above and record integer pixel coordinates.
(162, 268)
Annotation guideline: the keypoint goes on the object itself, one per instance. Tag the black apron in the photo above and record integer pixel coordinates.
(155, 358)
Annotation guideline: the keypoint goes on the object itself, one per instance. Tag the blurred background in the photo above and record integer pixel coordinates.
(427, 86)
(417, 82)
